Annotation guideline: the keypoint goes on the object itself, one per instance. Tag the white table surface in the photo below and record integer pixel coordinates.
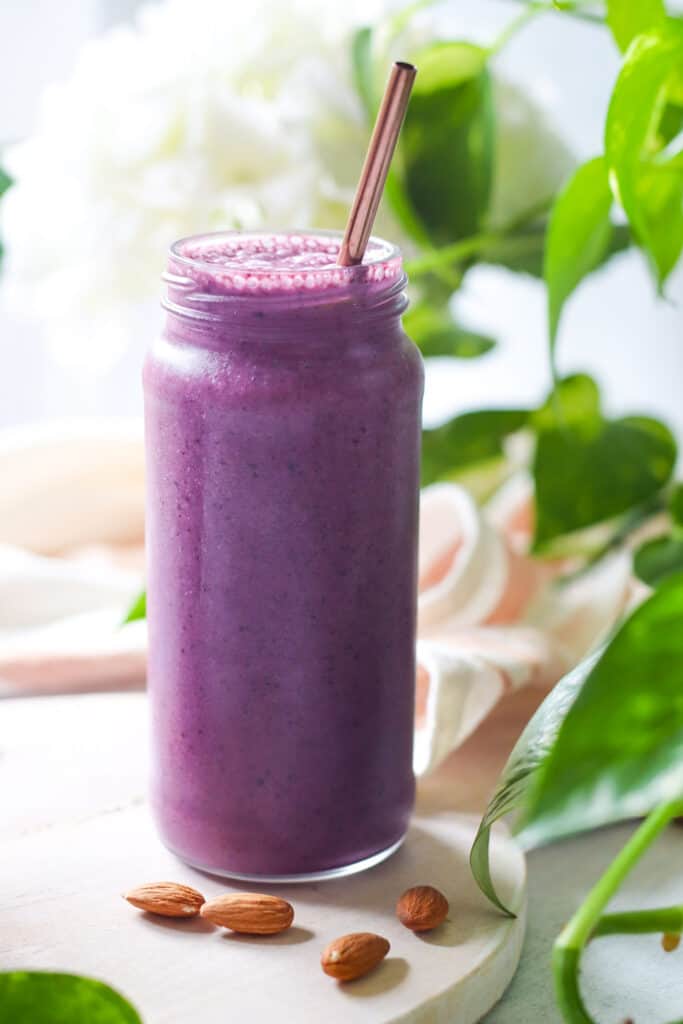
(44, 782)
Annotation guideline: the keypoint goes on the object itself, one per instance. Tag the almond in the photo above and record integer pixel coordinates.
(251, 912)
(352, 956)
(170, 899)
(422, 908)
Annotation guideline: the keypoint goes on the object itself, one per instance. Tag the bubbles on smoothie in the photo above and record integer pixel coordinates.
(276, 262)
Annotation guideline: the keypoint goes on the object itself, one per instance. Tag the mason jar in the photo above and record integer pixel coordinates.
(282, 409)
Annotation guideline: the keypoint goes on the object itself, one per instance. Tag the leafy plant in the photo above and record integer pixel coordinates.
(522, 769)
(440, 335)
(661, 557)
(37, 997)
(448, 137)
(578, 235)
(568, 773)
(647, 182)
(597, 479)
(658, 559)
(609, 467)
(468, 440)
(138, 609)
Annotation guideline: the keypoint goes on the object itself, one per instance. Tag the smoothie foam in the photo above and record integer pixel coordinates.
(279, 262)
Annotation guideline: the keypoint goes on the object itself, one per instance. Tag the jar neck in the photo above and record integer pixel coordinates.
(222, 306)
(349, 315)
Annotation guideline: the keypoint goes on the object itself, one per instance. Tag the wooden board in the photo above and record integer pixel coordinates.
(80, 836)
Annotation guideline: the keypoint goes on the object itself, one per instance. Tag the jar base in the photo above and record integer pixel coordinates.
(311, 876)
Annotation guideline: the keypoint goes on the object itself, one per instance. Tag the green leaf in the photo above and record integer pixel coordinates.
(596, 542)
(468, 440)
(36, 997)
(650, 193)
(670, 124)
(658, 559)
(362, 69)
(523, 251)
(523, 764)
(436, 334)
(138, 609)
(434, 290)
(661, 200)
(584, 477)
(575, 401)
(5, 181)
(630, 18)
(676, 504)
(578, 236)
(455, 341)
(446, 148)
(587, 469)
(395, 193)
(619, 749)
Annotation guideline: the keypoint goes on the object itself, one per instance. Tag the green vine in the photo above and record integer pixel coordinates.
(574, 8)
(588, 922)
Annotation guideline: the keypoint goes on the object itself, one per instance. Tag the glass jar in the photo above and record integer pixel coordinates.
(282, 409)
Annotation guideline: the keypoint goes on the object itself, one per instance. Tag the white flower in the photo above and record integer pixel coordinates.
(204, 115)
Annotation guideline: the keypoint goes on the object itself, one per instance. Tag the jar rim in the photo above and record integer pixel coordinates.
(379, 252)
(213, 289)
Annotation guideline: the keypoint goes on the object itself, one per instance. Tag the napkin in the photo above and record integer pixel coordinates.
(492, 619)
(71, 536)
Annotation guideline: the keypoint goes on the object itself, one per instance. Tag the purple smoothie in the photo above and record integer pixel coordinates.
(282, 409)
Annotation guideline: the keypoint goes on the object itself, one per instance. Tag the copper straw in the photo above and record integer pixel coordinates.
(376, 166)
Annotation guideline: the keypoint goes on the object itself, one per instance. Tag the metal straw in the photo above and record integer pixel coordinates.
(376, 167)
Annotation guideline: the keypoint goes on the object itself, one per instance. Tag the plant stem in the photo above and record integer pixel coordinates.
(569, 946)
(639, 922)
(529, 215)
(572, 9)
(433, 259)
(402, 18)
(629, 523)
(511, 29)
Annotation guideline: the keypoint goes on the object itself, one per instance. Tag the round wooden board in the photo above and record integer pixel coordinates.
(177, 972)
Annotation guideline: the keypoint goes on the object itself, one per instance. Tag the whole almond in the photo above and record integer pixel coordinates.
(422, 908)
(253, 913)
(169, 899)
(352, 956)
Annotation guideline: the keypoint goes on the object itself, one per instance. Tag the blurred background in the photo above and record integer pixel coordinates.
(125, 125)
(60, 358)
